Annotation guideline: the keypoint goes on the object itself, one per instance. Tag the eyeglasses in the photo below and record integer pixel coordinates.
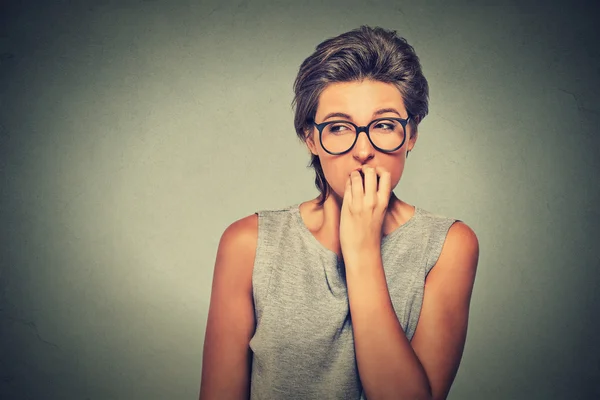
(385, 134)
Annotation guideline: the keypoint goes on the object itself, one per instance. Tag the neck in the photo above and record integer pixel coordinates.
(324, 221)
(328, 215)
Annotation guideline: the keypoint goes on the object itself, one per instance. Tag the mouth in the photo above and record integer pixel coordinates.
(359, 170)
(362, 174)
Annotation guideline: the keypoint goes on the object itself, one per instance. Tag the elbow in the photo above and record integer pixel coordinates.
(425, 393)
(422, 392)
(418, 395)
(425, 396)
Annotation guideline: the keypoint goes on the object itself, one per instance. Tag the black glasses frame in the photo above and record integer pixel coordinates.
(365, 129)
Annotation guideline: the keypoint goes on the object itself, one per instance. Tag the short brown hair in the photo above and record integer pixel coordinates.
(363, 53)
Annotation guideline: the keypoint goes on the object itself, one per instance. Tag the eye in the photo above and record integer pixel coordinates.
(338, 128)
(384, 125)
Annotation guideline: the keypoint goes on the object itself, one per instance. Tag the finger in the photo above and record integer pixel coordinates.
(370, 186)
(347, 194)
(385, 186)
(357, 189)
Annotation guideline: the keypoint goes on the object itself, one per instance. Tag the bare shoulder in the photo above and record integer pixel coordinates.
(237, 250)
(242, 234)
(460, 235)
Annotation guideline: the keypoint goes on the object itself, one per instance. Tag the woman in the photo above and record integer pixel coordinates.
(354, 294)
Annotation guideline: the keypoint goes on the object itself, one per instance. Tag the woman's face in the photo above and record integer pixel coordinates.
(360, 101)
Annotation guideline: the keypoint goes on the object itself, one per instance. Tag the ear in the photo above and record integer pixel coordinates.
(414, 135)
(310, 142)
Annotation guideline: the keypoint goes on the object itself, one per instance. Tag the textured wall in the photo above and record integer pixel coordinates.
(133, 132)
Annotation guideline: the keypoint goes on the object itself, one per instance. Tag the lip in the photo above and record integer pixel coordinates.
(362, 174)
(360, 170)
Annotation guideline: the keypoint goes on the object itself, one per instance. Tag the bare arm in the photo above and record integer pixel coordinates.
(441, 332)
(226, 361)
(389, 365)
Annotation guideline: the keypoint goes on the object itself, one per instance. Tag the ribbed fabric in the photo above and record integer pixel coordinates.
(303, 346)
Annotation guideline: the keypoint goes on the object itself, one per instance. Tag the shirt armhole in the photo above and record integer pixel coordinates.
(436, 243)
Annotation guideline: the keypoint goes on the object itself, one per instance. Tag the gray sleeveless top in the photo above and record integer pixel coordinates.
(303, 346)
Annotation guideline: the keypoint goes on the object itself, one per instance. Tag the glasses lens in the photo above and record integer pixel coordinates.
(338, 136)
(386, 134)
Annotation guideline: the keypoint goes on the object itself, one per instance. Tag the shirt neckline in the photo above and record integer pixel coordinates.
(295, 210)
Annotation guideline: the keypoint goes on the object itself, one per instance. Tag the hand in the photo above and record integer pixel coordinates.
(363, 211)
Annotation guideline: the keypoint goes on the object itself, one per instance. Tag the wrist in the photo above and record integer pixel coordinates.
(362, 257)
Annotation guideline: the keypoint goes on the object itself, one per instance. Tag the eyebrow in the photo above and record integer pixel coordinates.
(348, 117)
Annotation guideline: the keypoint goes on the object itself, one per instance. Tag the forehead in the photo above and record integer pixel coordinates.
(359, 98)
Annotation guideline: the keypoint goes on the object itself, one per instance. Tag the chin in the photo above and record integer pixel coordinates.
(339, 196)
(336, 194)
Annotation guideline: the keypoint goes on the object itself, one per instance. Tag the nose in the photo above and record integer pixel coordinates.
(363, 150)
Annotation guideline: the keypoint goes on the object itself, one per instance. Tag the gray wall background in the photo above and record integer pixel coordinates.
(132, 133)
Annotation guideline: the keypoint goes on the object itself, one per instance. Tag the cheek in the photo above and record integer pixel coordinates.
(336, 169)
(335, 175)
(396, 170)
